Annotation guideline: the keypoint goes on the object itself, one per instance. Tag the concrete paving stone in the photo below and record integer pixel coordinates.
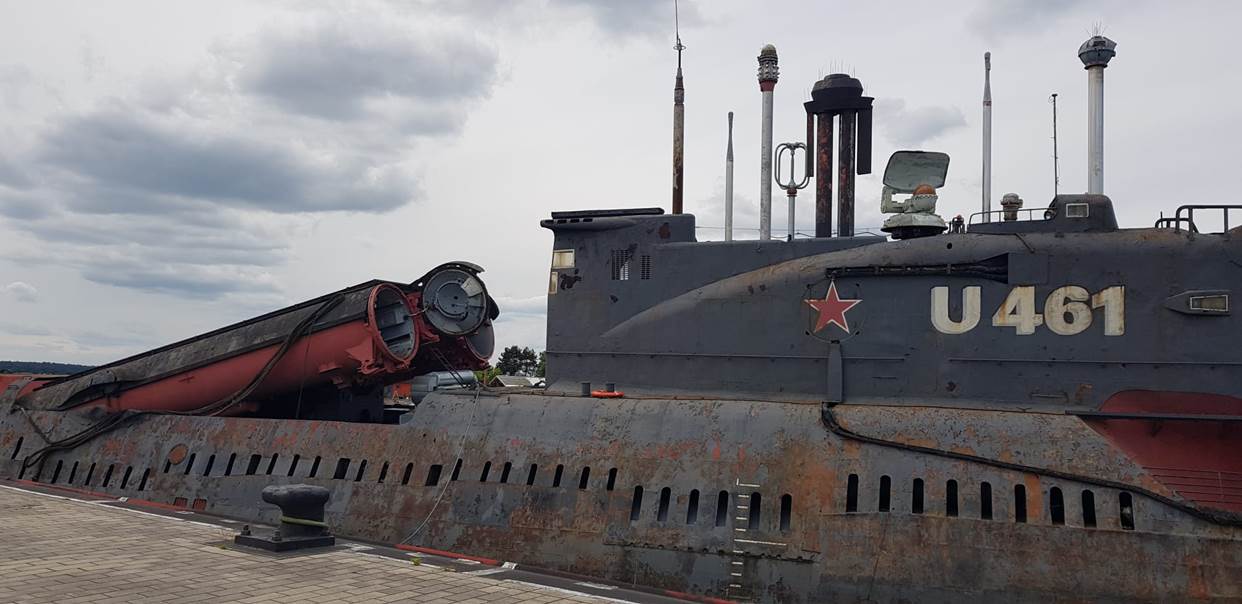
(74, 552)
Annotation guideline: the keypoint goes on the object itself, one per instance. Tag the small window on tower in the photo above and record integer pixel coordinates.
(1077, 210)
(562, 258)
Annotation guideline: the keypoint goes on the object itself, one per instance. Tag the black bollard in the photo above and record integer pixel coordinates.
(301, 519)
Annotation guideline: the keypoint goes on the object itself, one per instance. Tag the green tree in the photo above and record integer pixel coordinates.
(518, 360)
(542, 371)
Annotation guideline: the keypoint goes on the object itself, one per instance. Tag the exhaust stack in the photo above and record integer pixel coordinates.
(837, 94)
(1095, 54)
(768, 73)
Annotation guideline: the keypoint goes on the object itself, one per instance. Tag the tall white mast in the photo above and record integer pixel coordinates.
(987, 136)
(728, 216)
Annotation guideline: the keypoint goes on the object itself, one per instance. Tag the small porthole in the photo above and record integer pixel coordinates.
(756, 506)
(129, 470)
(456, 470)
(315, 466)
(293, 465)
(253, 466)
(433, 476)
(271, 465)
(916, 497)
(851, 494)
(211, 461)
(504, 472)
(487, 469)
(556, 477)
(383, 475)
(142, 484)
(636, 505)
(985, 501)
(228, 469)
(692, 507)
(612, 479)
(585, 478)
(362, 469)
(407, 474)
(189, 465)
(530, 475)
(342, 468)
(885, 502)
(950, 498)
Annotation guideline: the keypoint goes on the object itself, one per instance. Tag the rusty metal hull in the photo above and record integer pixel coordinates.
(458, 476)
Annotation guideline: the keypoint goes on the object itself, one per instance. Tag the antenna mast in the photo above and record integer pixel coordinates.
(729, 184)
(987, 137)
(1056, 160)
(679, 117)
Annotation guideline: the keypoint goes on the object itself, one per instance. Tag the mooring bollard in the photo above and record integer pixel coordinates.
(301, 519)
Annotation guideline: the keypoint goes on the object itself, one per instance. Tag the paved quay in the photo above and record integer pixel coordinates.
(70, 550)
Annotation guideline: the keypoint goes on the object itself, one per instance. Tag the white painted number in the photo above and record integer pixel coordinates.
(1068, 310)
(1018, 311)
(1065, 312)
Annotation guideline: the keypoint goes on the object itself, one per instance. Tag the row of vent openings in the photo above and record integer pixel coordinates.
(1056, 502)
(753, 508)
(108, 475)
(622, 261)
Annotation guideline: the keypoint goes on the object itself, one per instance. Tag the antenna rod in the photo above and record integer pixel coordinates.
(679, 118)
(987, 137)
(1056, 161)
(729, 184)
(768, 73)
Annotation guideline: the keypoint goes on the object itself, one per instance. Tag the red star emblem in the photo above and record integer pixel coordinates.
(832, 309)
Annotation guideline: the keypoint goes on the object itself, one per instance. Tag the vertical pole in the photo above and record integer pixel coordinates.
(1056, 160)
(679, 126)
(1095, 129)
(845, 174)
(769, 72)
(765, 169)
(793, 195)
(729, 184)
(987, 137)
(823, 175)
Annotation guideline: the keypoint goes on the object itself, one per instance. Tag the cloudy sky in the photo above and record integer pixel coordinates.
(167, 168)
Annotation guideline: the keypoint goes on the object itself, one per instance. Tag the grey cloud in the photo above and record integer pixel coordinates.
(633, 16)
(338, 69)
(11, 175)
(535, 306)
(915, 127)
(21, 291)
(130, 150)
(186, 281)
(992, 18)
